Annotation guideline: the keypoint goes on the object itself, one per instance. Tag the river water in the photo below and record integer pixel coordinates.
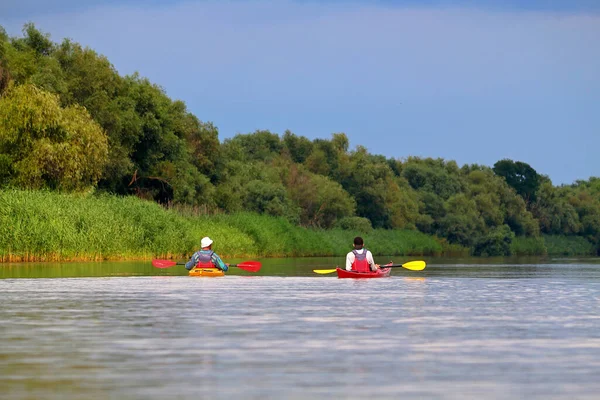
(460, 329)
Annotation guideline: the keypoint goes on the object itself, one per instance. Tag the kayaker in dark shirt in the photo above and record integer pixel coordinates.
(206, 258)
(360, 259)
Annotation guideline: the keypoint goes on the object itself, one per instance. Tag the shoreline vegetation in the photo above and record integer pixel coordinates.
(50, 226)
(99, 166)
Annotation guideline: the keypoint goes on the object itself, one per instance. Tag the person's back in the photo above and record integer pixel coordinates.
(360, 259)
(206, 257)
(202, 259)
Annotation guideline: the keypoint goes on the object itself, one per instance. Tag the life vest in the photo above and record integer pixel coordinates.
(205, 260)
(360, 263)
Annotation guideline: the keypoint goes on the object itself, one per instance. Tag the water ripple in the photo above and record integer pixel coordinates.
(299, 337)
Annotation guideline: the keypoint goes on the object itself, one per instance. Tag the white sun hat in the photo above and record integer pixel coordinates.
(205, 242)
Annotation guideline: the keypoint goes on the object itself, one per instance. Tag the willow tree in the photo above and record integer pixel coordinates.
(45, 145)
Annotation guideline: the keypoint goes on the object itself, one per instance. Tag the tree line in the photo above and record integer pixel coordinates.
(70, 122)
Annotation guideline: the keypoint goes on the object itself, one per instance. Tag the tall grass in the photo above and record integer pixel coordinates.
(552, 245)
(49, 226)
(568, 245)
(528, 246)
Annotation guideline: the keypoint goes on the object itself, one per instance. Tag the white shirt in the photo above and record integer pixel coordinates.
(350, 259)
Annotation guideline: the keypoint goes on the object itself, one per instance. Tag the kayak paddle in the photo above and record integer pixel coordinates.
(411, 265)
(250, 266)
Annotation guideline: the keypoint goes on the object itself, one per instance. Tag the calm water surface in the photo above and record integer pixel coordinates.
(494, 329)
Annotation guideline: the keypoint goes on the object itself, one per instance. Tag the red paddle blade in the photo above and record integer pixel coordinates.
(250, 266)
(163, 263)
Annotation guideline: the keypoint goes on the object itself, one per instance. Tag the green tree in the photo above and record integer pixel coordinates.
(39, 42)
(358, 224)
(320, 200)
(254, 186)
(317, 162)
(520, 176)
(261, 145)
(554, 212)
(328, 156)
(585, 198)
(498, 203)
(203, 138)
(462, 223)
(4, 75)
(385, 199)
(497, 242)
(30, 60)
(433, 175)
(44, 145)
(299, 147)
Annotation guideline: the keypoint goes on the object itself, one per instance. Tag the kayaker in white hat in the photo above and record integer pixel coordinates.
(205, 257)
(360, 259)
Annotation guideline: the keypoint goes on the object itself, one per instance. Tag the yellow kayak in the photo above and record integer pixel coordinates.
(206, 272)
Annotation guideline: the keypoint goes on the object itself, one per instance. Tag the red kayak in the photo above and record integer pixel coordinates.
(380, 273)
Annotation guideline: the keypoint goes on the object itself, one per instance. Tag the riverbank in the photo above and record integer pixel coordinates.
(49, 226)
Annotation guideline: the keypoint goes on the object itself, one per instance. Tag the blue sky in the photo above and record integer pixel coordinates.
(470, 81)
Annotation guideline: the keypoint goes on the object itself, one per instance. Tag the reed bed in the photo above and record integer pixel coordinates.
(568, 245)
(528, 246)
(552, 245)
(51, 226)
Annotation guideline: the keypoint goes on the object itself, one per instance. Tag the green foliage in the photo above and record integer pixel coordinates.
(317, 163)
(561, 245)
(431, 212)
(356, 224)
(4, 74)
(584, 197)
(37, 41)
(499, 204)
(90, 80)
(400, 242)
(462, 223)
(320, 200)
(497, 242)
(61, 99)
(48, 226)
(383, 198)
(298, 147)
(330, 154)
(433, 175)
(266, 198)
(45, 145)
(39, 225)
(528, 246)
(273, 236)
(340, 142)
(554, 213)
(203, 139)
(520, 176)
(258, 146)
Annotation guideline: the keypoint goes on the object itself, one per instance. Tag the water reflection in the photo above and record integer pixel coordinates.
(260, 337)
(502, 268)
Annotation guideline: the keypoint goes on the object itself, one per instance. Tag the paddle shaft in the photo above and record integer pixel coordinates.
(411, 265)
(230, 265)
(250, 266)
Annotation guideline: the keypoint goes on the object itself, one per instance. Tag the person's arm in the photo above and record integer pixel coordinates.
(192, 262)
(349, 261)
(219, 263)
(371, 261)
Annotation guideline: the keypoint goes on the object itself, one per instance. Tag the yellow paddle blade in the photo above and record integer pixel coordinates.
(414, 265)
(324, 271)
